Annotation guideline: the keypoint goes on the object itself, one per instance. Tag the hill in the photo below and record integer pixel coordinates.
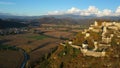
(65, 21)
(70, 20)
(10, 24)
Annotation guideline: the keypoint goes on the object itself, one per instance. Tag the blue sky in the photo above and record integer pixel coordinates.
(43, 7)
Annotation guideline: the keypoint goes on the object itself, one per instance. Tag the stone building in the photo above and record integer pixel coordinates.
(107, 31)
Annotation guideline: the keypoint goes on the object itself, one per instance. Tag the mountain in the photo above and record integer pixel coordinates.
(7, 15)
(61, 21)
(10, 16)
(71, 19)
(58, 19)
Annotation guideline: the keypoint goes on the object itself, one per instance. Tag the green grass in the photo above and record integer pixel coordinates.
(1, 36)
(6, 47)
(40, 37)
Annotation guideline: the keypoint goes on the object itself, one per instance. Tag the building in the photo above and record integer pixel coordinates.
(107, 30)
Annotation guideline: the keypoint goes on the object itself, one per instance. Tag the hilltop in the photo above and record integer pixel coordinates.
(100, 42)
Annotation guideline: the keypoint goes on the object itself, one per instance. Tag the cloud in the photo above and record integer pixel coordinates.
(73, 10)
(56, 12)
(105, 12)
(6, 3)
(118, 10)
(91, 10)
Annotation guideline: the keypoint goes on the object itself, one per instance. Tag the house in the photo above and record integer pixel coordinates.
(87, 34)
(96, 23)
(95, 45)
(106, 39)
(85, 44)
(70, 42)
(113, 27)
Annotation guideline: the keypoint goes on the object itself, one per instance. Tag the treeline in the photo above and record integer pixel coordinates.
(10, 24)
(6, 47)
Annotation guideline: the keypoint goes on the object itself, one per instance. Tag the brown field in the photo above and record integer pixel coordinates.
(37, 54)
(35, 47)
(76, 30)
(10, 59)
(24, 42)
(59, 34)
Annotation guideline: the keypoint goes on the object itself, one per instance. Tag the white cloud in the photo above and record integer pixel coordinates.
(105, 12)
(6, 3)
(56, 13)
(73, 10)
(91, 10)
(118, 10)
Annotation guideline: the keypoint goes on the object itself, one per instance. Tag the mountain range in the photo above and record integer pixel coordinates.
(10, 21)
(7, 16)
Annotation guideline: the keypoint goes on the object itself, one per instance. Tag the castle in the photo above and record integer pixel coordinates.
(107, 31)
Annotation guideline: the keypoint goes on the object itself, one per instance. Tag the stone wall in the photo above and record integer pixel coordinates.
(93, 53)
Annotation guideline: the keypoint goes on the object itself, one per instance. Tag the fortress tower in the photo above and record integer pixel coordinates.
(96, 23)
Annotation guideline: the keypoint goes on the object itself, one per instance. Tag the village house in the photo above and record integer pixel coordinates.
(85, 45)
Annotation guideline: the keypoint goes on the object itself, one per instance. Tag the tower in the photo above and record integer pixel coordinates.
(96, 23)
(95, 45)
(105, 29)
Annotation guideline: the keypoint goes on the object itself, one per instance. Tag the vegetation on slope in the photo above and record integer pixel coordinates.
(68, 57)
(10, 24)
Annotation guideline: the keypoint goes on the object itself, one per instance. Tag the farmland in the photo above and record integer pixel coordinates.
(11, 59)
(36, 45)
(32, 43)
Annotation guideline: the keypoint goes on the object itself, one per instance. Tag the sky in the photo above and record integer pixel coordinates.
(59, 7)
